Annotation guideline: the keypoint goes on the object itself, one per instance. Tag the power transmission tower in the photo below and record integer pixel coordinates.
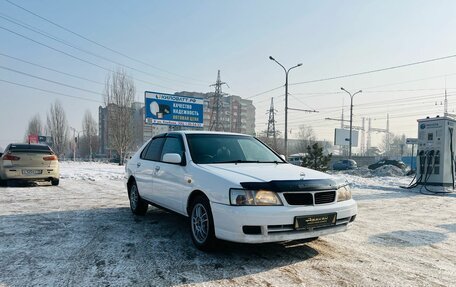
(217, 105)
(378, 130)
(271, 124)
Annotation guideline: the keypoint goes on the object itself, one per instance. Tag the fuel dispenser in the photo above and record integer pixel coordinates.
(435, 170)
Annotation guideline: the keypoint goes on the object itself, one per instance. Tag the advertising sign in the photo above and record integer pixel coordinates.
(411, 141)
(33, 139)
(173, 110)
(342, 137)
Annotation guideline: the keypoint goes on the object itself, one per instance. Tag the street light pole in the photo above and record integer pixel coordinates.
(76, 142)
(351, 119)
(286, 100)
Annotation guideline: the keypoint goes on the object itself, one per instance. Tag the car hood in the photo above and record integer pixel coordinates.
(262, 172)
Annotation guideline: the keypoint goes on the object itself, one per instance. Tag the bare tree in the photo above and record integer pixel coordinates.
(89, 131)
(57, 128)
(396, 146)
(119, 96)
(306, 136)
(35, 127)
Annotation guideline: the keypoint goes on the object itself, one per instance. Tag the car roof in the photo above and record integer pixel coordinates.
(188, 132)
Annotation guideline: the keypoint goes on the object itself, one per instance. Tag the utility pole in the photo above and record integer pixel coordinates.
(363, 137)
(286, 100)
(351, 119)
(370, 129)
(342, 148)
(388, 136)
(76, 142)
(217, 105)
(369, 137)
(271, 124)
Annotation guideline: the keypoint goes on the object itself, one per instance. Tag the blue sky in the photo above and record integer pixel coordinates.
(188, 41)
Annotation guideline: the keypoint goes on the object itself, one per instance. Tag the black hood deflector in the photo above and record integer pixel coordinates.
(295, 185)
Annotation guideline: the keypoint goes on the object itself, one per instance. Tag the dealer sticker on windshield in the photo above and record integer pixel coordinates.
(313, 221)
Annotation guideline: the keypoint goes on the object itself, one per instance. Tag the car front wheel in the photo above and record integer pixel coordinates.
(202, 224)
(137, 204)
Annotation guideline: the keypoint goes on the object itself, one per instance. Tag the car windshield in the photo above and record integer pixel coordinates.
(216, 148)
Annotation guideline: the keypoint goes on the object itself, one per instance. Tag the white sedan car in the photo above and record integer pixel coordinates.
(30, 162)
(233, 187)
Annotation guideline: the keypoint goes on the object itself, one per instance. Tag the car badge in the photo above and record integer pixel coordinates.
(302, 175)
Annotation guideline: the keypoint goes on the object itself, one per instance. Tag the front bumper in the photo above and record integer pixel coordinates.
(276, 222)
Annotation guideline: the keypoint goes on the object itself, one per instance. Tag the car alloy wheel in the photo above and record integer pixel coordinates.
(134, 197)
(200, 223)
(137, 204)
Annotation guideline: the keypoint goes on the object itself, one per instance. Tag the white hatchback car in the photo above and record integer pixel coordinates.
(233, 187)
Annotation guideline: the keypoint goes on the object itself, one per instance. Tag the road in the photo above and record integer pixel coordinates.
(82, 233)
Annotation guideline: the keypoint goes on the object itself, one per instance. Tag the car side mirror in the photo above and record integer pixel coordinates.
(1, 154)
(172, 158)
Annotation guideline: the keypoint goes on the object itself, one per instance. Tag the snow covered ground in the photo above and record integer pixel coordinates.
(82, 233)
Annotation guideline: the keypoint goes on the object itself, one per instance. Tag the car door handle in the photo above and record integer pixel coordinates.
(157, 168)
(138, 164)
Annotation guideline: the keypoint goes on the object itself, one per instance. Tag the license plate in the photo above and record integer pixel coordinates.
(31, 171)
(313, 221)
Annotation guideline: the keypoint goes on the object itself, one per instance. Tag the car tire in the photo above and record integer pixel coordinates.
(137, 205)
(55, 182)
(202, 224)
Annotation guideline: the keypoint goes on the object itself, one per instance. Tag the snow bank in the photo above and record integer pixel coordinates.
(386, 170)
(93, 171)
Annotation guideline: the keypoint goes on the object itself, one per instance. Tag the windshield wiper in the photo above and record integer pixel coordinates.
(237, 161)
(246, 161)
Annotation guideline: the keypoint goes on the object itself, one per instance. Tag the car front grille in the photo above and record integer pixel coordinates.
(299, 198)
(308, 198)
(325, 197)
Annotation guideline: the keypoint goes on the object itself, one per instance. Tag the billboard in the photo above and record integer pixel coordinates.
(173, 110)
(35, 139)
(411, 141)
(342, 137)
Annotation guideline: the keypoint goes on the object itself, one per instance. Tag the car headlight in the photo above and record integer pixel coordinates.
(253, 197)
(344, 193)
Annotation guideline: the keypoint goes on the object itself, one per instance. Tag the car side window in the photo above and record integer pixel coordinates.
(154, 150)
(144, 151)
(173, 145)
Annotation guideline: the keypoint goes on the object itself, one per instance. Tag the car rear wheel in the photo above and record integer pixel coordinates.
(137, 205)
(202, 224)
(55, 182)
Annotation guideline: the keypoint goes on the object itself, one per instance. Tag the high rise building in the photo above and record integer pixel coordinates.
(235, 114)
(137, 127)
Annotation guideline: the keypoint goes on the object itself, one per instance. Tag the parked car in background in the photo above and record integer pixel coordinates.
(296, 158)
(396, 163)
(233, 187)
(345, 164)
(32, 162)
